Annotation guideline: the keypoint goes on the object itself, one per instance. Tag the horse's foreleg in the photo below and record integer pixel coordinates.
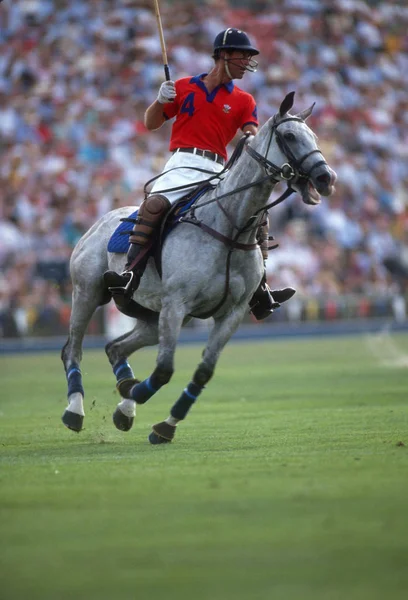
(144, 334)
(221, 332)
(83, 308)
(170, 322)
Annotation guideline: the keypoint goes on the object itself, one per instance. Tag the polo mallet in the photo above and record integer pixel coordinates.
(162, 43)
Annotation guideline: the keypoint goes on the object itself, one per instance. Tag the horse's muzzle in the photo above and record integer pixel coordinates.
(324, 180)
(320, 183)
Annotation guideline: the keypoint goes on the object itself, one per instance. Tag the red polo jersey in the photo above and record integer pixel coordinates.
(208, 121)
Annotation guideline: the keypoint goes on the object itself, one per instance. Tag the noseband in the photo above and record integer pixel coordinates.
(291, 171)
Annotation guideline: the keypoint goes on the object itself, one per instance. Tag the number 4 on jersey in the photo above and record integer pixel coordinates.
(188, 105)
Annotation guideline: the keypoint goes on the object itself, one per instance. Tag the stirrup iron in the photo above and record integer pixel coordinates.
(128, 285)
(121, 289)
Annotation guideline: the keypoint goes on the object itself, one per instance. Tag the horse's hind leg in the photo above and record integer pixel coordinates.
(170, 321)
(144, 334)
(83, 307)
(221, 332)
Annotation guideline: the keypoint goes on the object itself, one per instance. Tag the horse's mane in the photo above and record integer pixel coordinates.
(237, 151)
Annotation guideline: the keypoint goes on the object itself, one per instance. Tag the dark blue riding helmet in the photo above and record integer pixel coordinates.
(233, 39)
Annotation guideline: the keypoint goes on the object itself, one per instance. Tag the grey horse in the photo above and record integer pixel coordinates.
(211, 265)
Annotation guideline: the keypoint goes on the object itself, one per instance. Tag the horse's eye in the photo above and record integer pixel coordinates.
(289, 137)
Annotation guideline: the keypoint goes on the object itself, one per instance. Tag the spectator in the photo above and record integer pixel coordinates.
(76, 78)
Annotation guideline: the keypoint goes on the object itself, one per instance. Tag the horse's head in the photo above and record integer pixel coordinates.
(290, 153)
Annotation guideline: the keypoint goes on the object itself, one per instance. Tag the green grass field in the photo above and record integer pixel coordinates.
(288, 480)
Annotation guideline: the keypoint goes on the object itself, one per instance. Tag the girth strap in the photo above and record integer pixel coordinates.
(213, 310)
(231, 245)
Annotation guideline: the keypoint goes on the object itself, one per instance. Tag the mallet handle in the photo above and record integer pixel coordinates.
(162, 42)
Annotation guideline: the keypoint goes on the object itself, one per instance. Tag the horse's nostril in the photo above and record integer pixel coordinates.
(324, 179)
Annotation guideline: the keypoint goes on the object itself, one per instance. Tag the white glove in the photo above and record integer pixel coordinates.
(167, 92)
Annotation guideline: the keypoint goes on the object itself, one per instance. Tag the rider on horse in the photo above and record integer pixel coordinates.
(209, 109)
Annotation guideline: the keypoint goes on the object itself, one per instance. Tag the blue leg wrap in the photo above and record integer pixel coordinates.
(122, 370)
(186, 401)
(74, 378)
(143, 391)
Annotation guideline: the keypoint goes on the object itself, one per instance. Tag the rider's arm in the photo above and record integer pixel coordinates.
(249, 116)
(154, 117)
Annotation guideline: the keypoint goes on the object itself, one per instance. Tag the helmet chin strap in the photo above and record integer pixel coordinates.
(227, 68)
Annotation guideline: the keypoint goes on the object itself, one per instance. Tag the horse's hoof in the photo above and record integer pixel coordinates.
(162, 433)
(155, 439)
(121, 421)
(73, 421)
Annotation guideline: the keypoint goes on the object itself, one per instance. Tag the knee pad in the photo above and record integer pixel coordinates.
(154, 207)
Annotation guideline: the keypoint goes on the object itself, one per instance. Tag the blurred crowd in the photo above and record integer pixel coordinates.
(76, 78)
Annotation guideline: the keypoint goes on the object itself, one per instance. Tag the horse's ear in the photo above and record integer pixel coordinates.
(286, 104)
(305, 114)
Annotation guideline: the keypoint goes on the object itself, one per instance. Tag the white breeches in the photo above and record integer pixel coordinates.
(179, 176)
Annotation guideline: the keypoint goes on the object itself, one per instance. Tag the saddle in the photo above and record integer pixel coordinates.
(118, 243)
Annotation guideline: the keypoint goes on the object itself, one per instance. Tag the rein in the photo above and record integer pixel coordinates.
(232, 160)
(184, 186)
(290, 172)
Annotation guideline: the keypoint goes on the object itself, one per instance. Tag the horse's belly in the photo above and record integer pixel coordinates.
(148, 301)
(149, 293)
(199, 287)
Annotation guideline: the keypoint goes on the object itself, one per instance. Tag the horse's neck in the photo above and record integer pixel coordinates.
(240, 206)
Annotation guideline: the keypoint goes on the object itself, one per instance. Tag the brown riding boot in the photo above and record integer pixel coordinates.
(149, 218)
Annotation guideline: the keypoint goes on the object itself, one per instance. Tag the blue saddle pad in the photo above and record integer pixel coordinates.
(119, 240)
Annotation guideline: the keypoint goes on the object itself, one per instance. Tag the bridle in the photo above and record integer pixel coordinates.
(290, 171)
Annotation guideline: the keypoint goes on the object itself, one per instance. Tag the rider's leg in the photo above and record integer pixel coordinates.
(149, 218)
(265, 300)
